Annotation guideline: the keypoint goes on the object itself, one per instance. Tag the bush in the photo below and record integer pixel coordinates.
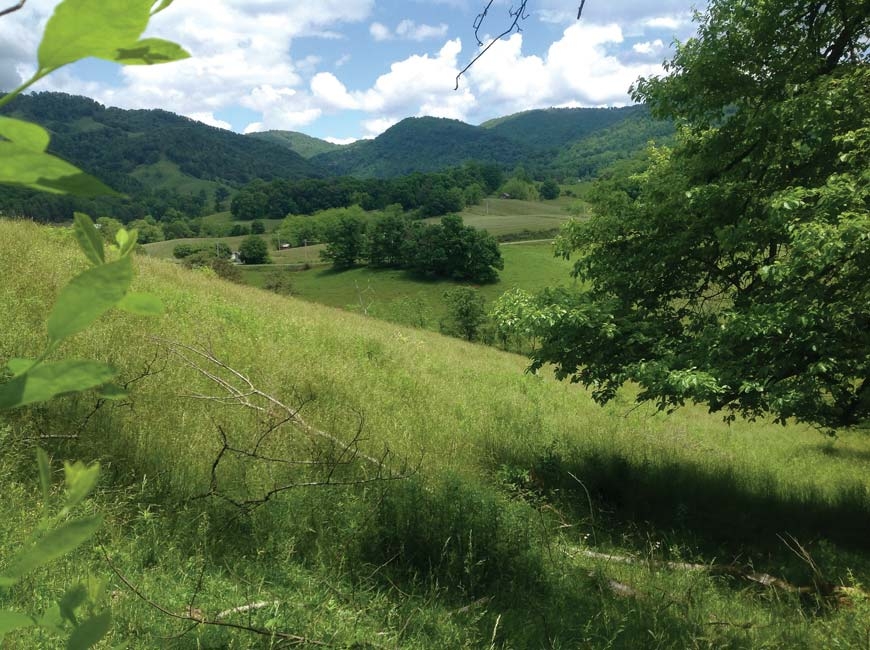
(254, 250)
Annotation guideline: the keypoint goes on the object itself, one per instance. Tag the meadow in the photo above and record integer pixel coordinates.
(455, 500)
(401, 297)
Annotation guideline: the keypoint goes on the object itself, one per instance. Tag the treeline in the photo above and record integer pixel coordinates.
(390, 239)
(426, 195)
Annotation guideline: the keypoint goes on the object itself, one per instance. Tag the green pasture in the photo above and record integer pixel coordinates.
(510, 482)
(401, 297)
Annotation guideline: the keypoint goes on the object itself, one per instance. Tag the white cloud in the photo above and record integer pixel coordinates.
(211, 120)
(326, 88)
(407, 30)
(378, 125)
(673, 22)
(411, 30)
(577, 69)
(341, 141)
(380, 32)
(648, 47)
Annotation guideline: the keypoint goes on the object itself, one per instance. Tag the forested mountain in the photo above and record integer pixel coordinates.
(586, 158)
(305, 145)
(160, 161)
(156, 158)
(554, 128)
(422, 144)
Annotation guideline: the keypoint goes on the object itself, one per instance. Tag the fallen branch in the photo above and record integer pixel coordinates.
(820, 586)
(244, 393)
(197, 618)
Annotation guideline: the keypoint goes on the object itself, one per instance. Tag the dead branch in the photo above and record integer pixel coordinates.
(247, 608)
(516, 15)
(197, 617)
(820, 586)
(240, 390)
(12, 8)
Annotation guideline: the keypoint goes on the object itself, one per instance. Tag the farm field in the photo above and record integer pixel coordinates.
(398, 296)
(519, 510)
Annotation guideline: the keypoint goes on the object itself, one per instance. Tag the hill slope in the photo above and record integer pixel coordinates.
(421, 144)
(114, 143)
(555, 128)
(305, 145)
(488, 532)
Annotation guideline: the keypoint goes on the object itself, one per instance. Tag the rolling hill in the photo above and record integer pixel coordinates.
(305, 145)
(511, 508)
(421, 144)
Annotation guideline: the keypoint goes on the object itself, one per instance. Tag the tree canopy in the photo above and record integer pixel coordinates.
(735, 270)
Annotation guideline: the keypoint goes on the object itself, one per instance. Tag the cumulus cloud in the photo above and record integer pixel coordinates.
(241, 54)
(211, 120)
(407, 30)
(578, 69)
(380, 32)
(341, 141)
(648, 47)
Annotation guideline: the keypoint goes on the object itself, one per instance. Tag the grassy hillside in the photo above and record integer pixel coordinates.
(514, 481)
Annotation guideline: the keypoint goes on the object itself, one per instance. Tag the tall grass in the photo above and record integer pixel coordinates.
(515, 473)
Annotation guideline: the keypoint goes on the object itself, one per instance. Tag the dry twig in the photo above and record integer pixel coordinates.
(13, 8)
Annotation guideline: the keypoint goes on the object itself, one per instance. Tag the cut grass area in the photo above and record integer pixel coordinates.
(401, 297)
(479, 548)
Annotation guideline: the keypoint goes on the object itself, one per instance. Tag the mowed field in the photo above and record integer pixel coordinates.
(401, 297)
(496, 216)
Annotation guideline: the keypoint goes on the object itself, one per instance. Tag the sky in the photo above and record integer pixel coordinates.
(342, 70)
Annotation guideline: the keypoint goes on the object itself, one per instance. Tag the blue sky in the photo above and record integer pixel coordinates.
(348, 69)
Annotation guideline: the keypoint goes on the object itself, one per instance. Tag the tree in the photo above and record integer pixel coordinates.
(254, 250)
(736, 270)
(344, 240)
(549, 190)
(465, 311)
(257, 227)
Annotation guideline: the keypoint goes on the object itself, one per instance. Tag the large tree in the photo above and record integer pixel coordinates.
(735, 270)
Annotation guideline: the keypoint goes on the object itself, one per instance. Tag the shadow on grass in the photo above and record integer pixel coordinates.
(717, 508)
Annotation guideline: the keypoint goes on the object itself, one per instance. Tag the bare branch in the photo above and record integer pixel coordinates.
(244, 393)
(196, 617)
(516, 15)
(12, 9)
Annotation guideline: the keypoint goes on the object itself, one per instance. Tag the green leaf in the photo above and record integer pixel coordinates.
(49, 380)
(112, 392)
(88, 296)
(53, 545)
(19, 366)
(89, 633)
(25, 134)
(130, 244)
(52, 619)
(81, 28)
(80, 479)
(14, 621)
(150, 51)
(44, 475)
(89, 239)
(38, 170)
(72, 600)
(141, 304)
(163, 5)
